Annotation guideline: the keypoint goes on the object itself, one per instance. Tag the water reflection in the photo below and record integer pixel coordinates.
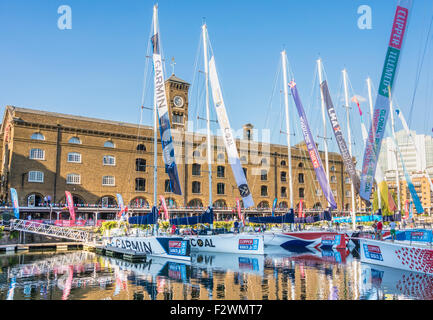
(278, 275)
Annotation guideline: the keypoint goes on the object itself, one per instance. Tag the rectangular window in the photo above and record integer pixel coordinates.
(36, 176)
(108, 181)
(37, 154)
(177, 118)
(220, 172)
(220, 188)
(109, 161)
(74, 157)
(73, 179)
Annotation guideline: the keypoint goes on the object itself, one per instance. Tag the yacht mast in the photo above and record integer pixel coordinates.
(209, 151)
(155, 119)
(319, 68)
(286, 103)
(349, 138)
(397, 172)
(370, 101)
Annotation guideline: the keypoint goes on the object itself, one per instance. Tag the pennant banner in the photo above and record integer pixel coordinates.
(238, 207)
(15, 204)
(122, 208)
(381, 109)
(344, 151)
(70, 202)
(229, 140)
(160, 99)
(274, 205)
(311, 146)
(164, 207)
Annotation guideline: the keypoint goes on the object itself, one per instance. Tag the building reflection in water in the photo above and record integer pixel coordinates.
(279, 275)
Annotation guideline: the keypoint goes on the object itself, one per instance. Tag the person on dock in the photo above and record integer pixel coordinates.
(236, 226)
(374, 226)
(379, 230)
(392, 225)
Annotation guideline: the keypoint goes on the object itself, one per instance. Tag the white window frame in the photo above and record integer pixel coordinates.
(36, 176)
(38, 135)
(110, 142)
(74, 153)
(107, 182)
(75, 178)
(38, 151)
(73, 142)
(108, 163)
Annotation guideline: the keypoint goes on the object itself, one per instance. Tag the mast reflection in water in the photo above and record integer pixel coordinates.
(279, 275)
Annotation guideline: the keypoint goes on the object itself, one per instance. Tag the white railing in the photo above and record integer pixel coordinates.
(50, 230)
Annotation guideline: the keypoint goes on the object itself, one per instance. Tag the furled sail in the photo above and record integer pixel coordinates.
(381, 109)
(311, 146)
(344, 151)
(229, 140)
(160, 99)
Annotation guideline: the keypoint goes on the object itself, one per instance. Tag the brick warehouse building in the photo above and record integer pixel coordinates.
(47, 153)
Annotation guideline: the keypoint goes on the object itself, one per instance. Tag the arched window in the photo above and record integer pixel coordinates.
(332, 168)
(140, 184)
(195, 203)
(221, 188)
(108, 181)
(73, 178)
(283, 204)
(220, 204)
(139, 202)
(221, 172)
(37, 136)
(264, 191)
(109, 144)
(78, 199)
(283, 176)
(171, 203)
(75, 140)
(283, 163)
(196, 169)
(333, 179)
(196, 187)
(141, 148)
(37, 154)
(263, 205)
(317, 205)
(36, 176)
(301, 192)
(300, 165)
(34, 200)
(107, 202)
(109, 161)
(140, 165)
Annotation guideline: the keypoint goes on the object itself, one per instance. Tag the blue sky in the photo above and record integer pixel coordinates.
(96, 69)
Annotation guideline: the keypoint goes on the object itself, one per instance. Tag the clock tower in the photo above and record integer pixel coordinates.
(177, 98)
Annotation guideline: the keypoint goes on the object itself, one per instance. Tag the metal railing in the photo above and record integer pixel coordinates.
(50, 230)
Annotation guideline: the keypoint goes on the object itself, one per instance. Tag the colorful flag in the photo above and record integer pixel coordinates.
(382, 106)
(238, 207)
(122, 208)
(300, 210)
(164, 207)
(355, 99)
(70, 202)
(311, 146)
(274, 205)
(15, 204)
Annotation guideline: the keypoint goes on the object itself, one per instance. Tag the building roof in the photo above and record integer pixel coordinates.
(176, 79)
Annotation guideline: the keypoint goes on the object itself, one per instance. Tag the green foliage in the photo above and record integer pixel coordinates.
(2, 228)
(108, 225)
(14, 234)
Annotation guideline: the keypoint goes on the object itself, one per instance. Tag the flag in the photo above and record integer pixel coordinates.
(355, 99)
(300, 210)
(274, 205)
(70, 202)
(15, 204)
(164, 207)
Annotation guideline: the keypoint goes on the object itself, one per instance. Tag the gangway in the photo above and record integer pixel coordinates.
(50, 230)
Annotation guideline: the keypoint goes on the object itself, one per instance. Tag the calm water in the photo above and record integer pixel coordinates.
(333, 275)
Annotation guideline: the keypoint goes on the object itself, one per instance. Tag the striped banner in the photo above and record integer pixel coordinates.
(381, 109)
(15, 204)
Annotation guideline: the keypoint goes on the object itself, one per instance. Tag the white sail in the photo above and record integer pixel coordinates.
(229, 140)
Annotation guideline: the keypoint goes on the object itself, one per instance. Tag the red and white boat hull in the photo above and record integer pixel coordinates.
(306, 239)
(415, 257)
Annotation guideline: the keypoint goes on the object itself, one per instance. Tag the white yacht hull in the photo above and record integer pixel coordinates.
(228, 243)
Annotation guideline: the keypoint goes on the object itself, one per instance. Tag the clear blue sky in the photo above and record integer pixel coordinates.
(96, 69)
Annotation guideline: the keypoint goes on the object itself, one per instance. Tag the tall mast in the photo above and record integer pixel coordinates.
(319, 68)
(286, 103)
(155, 119)
(370, 102)
(349, 138)
(209, 151)
(397, 173)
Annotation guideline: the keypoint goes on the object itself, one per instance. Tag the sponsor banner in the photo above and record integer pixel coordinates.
(70, 202)
(132, 244)
(381, 110)
(330, 240)
(122, 208)
(15, 204)
(312, 149)
(229, 140)
(248, 244)
(372, 252)
(160, 99)
(164, 207)
(177, 248)
(344, 150)
(248, 264)
(274, 205)
(240, 215)
(176, 271)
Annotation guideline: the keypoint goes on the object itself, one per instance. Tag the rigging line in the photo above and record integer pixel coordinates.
(196, 74)
(419, 70)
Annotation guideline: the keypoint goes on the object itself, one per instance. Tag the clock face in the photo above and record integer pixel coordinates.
(178, 101)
